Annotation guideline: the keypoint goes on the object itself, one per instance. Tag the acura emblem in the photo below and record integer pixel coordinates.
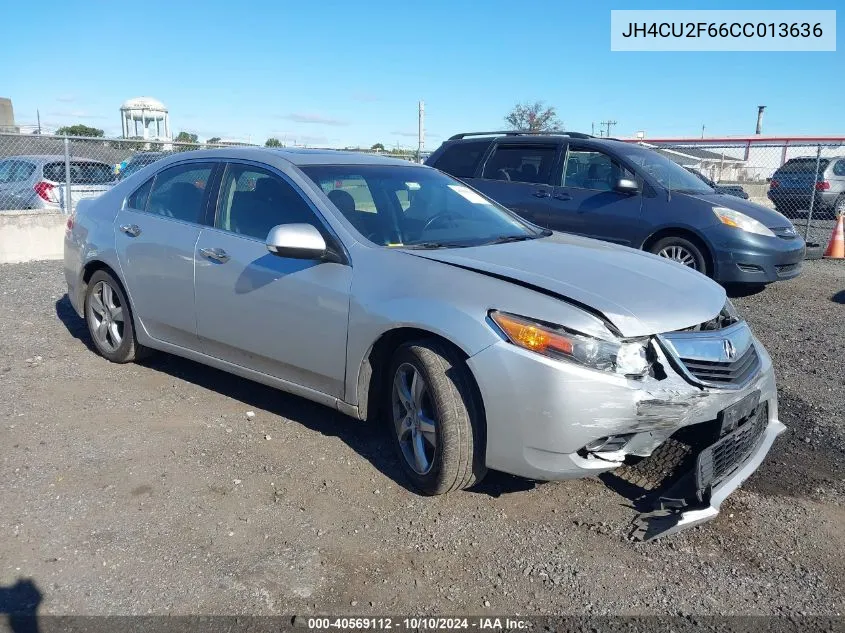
(730, 350)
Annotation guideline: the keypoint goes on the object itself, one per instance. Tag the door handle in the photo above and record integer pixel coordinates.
(132, 230)
(563, 196)
(217, 254)
(541, 193)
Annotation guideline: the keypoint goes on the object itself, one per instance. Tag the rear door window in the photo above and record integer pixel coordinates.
(461, 159)
(81, 173)
(138, 199)
(521, 163)
(15, 171)
(179, 192)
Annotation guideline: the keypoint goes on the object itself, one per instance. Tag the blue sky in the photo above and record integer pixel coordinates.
(351, 73)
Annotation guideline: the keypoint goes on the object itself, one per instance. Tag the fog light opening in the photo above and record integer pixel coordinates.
(609, 444)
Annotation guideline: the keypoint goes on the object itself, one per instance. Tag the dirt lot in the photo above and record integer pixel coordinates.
(146, 489)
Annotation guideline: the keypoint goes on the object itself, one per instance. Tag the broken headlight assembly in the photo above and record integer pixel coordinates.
(627, 358)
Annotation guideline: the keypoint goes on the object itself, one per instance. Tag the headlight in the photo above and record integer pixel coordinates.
(741, 221)
(730, 311)
(627, 358)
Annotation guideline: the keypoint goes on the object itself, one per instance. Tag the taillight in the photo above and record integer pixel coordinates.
(46, 191)
(822, 185)
(69, 223)
(773, 184)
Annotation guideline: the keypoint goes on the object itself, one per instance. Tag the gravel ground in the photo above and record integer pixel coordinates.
(146, 488)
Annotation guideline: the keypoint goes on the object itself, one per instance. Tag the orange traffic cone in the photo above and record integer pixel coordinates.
(836, 248)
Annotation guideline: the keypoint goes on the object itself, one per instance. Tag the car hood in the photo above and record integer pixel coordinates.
(639, 293)
(768, 217)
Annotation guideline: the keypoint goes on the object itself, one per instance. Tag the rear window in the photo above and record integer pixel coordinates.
(81, 173)
(802, 166)
(461, 159)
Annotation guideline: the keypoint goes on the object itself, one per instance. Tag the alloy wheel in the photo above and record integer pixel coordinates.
(414, 418)
(679, 254)
(106, 316)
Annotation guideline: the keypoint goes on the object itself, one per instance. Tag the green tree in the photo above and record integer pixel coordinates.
(137, 144)
(378, 147)
(187, 140)
(185, 137)
(79, 130)
(213, 140)
(533, 117)
(272, 142)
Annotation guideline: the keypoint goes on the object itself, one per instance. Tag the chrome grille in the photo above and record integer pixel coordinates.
(725, 358)
(728, 372)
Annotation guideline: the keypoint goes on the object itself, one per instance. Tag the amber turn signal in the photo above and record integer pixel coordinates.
(532, 336)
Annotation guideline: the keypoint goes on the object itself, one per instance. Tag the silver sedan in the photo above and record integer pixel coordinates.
(391, 291)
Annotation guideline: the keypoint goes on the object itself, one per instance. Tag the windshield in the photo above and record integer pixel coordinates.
(137, 164)
(415, 207)
(668, 173)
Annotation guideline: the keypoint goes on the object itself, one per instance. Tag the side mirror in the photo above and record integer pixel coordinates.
(626, 185)
(297, 241)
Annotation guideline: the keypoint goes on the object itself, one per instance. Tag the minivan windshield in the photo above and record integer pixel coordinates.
(416, 207)
(668, 173)
(137, 163)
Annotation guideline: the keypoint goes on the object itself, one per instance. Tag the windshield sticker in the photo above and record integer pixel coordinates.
(468, 194)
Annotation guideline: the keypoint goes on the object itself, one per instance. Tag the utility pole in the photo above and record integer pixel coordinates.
(38, 114)
(609, 124)
(702, 130)
(421, 131)
(593, 128)
(760, 119)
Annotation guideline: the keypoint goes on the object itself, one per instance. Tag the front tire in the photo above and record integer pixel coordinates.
(434, 417)
(681, 250)
(109, 319)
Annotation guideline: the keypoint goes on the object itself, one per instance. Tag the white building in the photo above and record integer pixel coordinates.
(145, 117)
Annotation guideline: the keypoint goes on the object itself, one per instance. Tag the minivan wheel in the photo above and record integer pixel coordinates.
(681, 250)
(109, 319)
(434, 419)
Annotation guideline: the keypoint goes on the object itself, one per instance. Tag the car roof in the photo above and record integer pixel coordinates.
(516, 138)
(295, 155)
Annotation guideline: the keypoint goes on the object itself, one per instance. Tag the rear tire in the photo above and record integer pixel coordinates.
(682, 251)
(109, 319)
(434, 417)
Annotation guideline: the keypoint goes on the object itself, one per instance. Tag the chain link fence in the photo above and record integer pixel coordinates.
(803, 181)
(53, 173)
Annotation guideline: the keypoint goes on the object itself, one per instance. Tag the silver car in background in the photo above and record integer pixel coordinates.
(391, 291)
(39, 182)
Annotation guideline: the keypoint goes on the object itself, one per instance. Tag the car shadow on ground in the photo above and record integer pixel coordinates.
(368, 439)
(19, 603)
(839, 297)
(743, 290)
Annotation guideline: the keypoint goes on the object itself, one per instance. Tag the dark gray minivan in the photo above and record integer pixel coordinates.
(628, 194)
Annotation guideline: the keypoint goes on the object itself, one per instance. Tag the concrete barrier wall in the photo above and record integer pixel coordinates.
(27, 236)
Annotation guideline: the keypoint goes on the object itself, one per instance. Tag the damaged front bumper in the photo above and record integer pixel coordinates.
(542, 413)
(672, 514)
